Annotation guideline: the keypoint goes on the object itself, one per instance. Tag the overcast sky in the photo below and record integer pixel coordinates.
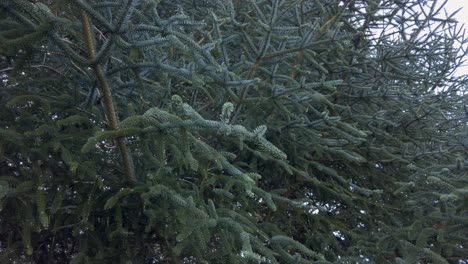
(453, 5)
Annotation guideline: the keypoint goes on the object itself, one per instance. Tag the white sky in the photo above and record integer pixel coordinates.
(453, 5)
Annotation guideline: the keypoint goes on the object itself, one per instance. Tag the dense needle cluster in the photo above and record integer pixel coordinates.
(232, 131)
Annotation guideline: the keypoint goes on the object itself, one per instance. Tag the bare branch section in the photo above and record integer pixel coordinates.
(107, 96)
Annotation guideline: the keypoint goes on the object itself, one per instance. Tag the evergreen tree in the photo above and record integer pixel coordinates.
(228, 131)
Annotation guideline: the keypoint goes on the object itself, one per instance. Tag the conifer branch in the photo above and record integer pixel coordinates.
(363, 152)
(330, 22)
(258, 61)
(107, 97)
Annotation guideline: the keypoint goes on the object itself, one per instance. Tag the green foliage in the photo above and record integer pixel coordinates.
(275, 131)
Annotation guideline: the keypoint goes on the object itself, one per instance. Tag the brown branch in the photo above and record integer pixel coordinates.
(105, 90)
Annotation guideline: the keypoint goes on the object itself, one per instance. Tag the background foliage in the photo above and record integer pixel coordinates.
(279, 131)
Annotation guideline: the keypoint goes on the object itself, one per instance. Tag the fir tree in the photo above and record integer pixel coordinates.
(227, 131)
